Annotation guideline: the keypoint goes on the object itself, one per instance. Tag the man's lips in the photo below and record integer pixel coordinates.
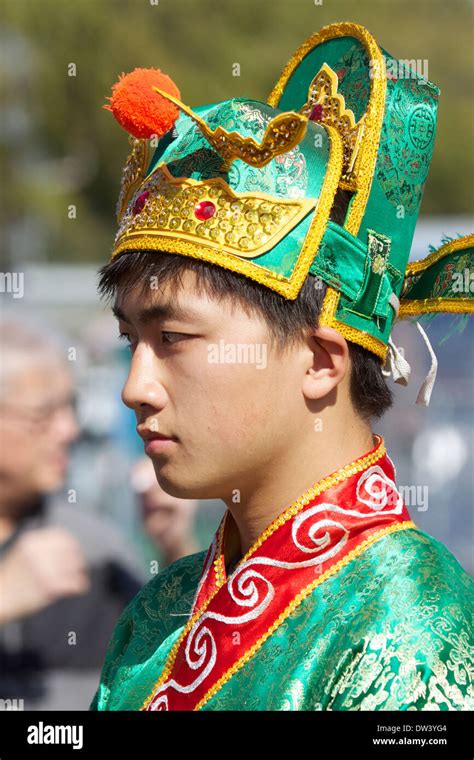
(151, 435)
(155, 443)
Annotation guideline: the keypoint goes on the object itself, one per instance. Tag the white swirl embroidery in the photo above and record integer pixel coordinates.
(380, 490)
(201, 650)
(161, 703)
(196, 641)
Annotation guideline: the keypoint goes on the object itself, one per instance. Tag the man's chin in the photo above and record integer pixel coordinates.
(175, 489)
(174, 486)
(177, 479)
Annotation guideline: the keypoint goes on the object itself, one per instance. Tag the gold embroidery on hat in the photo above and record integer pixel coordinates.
(283, 132)
(133, 172)
(373, 117)
(323, 92)
(244, 224)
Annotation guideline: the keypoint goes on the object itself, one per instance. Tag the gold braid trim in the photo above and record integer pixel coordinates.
(459, 244)
(433, 305)
(219, 566)
(297, 601)
(340, 475)
(328, 319)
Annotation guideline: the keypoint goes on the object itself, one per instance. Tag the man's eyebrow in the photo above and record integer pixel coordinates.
(159, 311)
(118, 313)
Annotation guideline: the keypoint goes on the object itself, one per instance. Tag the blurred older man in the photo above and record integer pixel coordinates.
(65, 576)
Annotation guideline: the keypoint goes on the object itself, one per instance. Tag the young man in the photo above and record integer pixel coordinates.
(260, 263)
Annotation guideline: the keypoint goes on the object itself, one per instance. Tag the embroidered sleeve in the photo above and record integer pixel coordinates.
(398, 671)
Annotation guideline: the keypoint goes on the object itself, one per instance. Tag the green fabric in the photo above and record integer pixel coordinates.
(343, 263)
(390, 631)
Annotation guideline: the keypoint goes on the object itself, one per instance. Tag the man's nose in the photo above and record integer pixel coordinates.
(143, 384)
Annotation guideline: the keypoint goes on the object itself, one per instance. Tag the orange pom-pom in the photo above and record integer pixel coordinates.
(138, 108)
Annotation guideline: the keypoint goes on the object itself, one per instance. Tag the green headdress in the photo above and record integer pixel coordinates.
(250, 186)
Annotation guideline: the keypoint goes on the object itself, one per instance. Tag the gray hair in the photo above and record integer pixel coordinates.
(24, 344)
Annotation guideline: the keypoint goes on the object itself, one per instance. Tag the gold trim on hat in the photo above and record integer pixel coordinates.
(328, 319)
(244, 224)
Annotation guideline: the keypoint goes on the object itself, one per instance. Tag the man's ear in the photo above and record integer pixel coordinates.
(330, 362)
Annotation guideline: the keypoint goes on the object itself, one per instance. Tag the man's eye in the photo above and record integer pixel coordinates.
(172, 337)
(125, 337)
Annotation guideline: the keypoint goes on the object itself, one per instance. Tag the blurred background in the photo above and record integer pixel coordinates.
(104, 520)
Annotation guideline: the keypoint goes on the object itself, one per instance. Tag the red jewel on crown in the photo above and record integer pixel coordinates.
(204, 210)
(317, 112)
(140, 202)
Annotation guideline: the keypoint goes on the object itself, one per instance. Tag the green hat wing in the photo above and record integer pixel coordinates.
(441, 282)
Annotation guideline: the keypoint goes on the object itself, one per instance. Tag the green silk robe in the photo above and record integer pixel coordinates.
(391, 630)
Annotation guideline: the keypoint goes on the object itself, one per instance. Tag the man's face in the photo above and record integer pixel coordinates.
(231, 415)
(37, 426)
